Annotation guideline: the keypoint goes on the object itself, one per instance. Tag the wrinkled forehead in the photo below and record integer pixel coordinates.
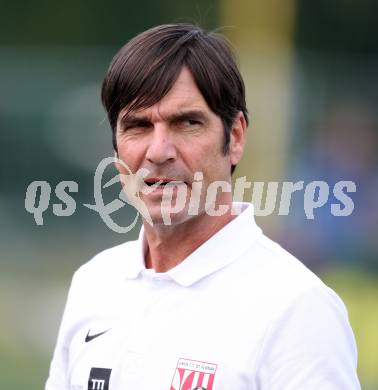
(184, 95)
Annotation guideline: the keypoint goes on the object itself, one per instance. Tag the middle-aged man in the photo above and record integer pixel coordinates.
(202, 300)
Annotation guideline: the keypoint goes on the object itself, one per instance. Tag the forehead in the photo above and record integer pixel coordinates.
(184, 95)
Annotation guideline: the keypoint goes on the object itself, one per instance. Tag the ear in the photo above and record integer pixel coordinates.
(237, 138)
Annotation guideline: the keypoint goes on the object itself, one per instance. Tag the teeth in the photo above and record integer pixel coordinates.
(150, 183)
(164, 183)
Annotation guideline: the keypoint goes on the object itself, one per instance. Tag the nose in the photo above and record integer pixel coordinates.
(161, 148)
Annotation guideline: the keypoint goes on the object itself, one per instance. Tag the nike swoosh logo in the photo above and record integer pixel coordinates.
(93, 336)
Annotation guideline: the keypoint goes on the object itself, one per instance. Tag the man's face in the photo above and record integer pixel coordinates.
(174, 139)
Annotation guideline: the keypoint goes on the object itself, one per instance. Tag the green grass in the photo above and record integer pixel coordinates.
(20, 371)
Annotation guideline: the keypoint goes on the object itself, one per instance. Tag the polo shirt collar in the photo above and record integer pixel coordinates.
(223, 248)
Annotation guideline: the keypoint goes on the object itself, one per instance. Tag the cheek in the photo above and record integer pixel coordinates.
(202, 152)
(130, 155)
(212, 164)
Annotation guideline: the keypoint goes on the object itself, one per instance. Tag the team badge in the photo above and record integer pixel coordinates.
(193, 375)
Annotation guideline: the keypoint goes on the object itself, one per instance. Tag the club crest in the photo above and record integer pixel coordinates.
(193, 375)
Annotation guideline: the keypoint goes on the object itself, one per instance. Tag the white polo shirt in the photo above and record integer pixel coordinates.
(238, 313)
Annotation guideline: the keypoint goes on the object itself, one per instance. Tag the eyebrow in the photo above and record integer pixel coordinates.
(196, 115)
(181, 116)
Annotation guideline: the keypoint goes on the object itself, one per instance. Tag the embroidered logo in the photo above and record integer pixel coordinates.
(193, 375)
(93, 336)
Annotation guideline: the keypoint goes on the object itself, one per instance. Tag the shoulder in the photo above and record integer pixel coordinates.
(308, 333)
(297, 309)
(279, 279)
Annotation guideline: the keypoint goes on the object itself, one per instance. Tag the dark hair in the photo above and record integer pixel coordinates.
(145, 69)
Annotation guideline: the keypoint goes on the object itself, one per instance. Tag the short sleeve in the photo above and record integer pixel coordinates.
(309, 346)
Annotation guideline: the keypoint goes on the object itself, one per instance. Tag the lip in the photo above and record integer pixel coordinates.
(158, 190)
(150, 181)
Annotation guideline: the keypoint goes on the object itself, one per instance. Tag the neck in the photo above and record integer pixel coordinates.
(167, 246)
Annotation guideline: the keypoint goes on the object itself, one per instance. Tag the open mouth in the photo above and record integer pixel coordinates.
(163, 182)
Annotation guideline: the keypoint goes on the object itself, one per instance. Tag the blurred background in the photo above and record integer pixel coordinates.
(311, 72)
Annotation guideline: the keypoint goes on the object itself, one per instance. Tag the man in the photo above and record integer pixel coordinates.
(203, 300)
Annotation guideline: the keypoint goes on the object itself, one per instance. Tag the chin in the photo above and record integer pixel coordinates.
(166, 219)
(169, 215)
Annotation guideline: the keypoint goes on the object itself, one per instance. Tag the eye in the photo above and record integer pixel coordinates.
(193, 122)
(142, 124)
(137, 126)
(190, 122)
